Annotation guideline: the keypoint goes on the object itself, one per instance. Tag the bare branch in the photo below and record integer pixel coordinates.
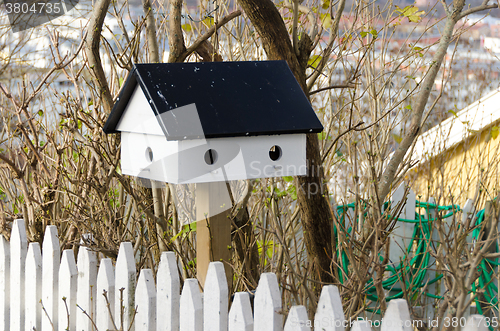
(12, 165)
(346, 85)
(328, 50)
(207, 35)
(476, 9)
(445, 6)
(92, 49)
(422, 98)
(310, 16)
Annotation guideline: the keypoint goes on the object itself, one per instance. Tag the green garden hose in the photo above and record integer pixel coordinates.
(415, 271)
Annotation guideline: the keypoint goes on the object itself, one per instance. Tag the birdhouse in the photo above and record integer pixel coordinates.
(212, 121)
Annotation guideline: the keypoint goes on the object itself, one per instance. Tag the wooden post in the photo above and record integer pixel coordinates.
(213, 231)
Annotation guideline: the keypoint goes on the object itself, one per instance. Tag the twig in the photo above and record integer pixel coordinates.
(67, 312)
(346, 85)
(105, 294)
(207, 35)
(328, 50)
(352, 128)
(47, 314)
(86, 314)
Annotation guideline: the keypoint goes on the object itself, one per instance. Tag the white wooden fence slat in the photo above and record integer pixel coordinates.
(51, 258)
(329, 313)
(145, 301)
(215, 298)
(361, 326)
(4, 284)
(18, 250)
(68, 280)
(168, 292)
(185, 312)
(267, 304)
(87, 281)
(297, 319)
(191, 307)
(33, 287)
(402, 233)
(240, 315)
(476, 323)
(105, 282)
(125, 278)
(397, 317)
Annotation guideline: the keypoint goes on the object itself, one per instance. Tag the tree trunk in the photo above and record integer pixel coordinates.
(272, 30)
(316, 215)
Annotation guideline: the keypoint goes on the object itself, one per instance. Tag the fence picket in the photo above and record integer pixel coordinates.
(397, 317)
(68, 280)
(87, 279)
(191, 307)
(168, 292)
(145, 300)
(476, 323)
(329, 314)
(33, 287)
(215, 298)
(157, 309)
(105, 282)
(18, 250)
(297, 319)
(125, 278)
(4, 283)
(240, 315)
(51, 256)
(361, 326)
(267, 304)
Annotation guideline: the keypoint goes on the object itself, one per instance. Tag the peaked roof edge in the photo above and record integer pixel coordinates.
(121, 102)
(134, 78)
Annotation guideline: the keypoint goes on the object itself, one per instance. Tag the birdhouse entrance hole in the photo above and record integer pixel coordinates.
(210, 156)
(275, 153)
(149, 154)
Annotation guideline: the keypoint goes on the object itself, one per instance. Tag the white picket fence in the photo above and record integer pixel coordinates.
(41, 289)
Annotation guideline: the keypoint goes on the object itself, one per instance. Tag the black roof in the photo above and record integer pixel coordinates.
(232, 98)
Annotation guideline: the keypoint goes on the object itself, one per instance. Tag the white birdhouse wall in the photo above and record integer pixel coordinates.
(211, 160)
(149, 156)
